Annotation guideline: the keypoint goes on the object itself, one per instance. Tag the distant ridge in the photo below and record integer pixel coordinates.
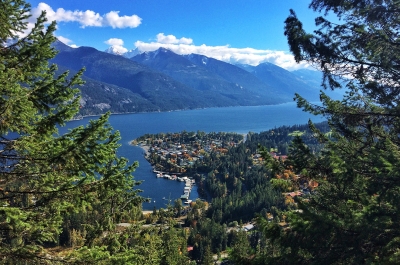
(163, 80)
(208, 74)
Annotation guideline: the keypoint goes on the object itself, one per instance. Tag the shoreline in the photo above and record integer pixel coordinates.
(141, 112)
(145, 148)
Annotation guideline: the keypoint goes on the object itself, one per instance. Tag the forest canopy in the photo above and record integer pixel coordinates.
(354, 216)
(54, 189)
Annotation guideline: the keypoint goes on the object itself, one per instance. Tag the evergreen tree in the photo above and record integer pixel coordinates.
(241, 252)
(174, 248)
(354, 215)
(46, 177)
(208, 256)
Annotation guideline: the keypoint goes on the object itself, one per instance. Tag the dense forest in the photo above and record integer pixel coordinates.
(308, 194)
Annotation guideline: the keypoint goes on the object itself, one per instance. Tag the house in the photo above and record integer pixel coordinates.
(295, 193)
(248, 227)
(283, 225)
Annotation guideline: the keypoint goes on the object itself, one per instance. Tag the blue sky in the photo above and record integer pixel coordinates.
(248, 31)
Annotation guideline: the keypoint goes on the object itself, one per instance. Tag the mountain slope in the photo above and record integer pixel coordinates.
(235, 75)
(216, 78)
(98, 97)
(162, 81)
(125, 73)
(314, 79)
(287, 82)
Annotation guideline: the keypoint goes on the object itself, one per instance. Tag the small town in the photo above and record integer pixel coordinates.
(177, 156)
(176, 152)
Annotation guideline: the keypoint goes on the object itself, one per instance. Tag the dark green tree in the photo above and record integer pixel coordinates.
(174, 248)
(241, 251)
(208, 256)
(44, 176)
(178, 206)
(354, 215)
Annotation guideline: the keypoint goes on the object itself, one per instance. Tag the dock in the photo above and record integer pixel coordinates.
(188, 183)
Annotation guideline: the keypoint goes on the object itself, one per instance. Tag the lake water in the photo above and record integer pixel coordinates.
(231, 119)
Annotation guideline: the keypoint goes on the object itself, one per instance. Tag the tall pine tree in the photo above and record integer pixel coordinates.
(45, 177)
(354, 215)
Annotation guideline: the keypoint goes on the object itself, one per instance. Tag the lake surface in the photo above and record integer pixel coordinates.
(231, 119)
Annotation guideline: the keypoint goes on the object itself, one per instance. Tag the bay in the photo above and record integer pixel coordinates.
(229, 119)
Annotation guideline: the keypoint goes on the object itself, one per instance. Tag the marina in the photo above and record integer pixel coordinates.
(188, 183)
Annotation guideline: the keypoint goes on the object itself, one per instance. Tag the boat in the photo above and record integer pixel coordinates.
(185, 196)
(188, 202)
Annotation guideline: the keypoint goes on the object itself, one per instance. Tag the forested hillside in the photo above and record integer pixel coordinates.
(63, 197)
(353, 218)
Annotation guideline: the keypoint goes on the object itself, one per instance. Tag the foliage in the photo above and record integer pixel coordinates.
(241, 251)
(353, 217)
(50, 182)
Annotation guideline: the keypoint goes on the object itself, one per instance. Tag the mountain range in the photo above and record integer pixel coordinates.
(163, 80)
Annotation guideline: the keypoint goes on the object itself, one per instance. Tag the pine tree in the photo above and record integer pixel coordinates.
(45, 177)
(208, 256)
(241, 251)
(354, 215)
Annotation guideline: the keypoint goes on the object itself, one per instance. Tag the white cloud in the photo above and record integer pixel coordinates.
(64, 40)
(86, 18)
(169, 39)
(224, 53)
(119, 49)
(114, 41)
(116, 45)
(115, 21)
(67, 41)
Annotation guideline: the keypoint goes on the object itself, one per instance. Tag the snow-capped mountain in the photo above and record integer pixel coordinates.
(114, 50)
(117, 50)
(129, 54)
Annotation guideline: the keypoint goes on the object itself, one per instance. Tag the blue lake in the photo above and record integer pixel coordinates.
(231, 119)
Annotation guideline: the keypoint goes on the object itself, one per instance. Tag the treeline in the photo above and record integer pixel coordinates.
(279, 139)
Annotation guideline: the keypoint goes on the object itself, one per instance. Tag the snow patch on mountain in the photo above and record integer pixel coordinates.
(116, 50)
